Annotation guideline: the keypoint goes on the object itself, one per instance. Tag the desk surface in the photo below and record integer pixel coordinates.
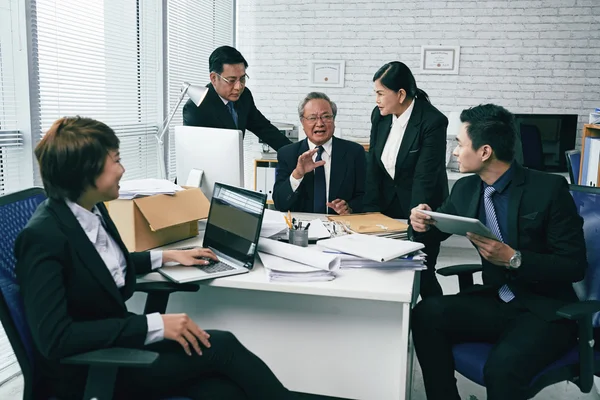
(357, 283)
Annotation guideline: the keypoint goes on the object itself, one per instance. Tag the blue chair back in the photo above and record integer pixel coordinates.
(587, 201)
(15, 211)
(470, 358)
(573, 164)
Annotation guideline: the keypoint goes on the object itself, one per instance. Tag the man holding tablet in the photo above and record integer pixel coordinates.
(527, 272)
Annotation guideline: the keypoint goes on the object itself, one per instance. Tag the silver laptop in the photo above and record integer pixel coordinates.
(232, 233)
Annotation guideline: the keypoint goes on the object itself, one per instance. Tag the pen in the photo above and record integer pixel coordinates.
(307, 225)
(300, 225)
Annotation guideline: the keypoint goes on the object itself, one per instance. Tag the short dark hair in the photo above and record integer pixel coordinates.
(316, 96)
(492, 125)
(225, 55)
(396, 75)
(72, 154)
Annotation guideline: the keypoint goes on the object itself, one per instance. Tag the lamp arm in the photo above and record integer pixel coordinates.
(160, 148)
(165, 127)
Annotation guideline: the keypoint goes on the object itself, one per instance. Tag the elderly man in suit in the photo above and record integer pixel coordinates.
(321, 174)
(229, 103)
(527, 273)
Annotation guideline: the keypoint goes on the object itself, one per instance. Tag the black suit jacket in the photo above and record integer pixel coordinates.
(71, 301)
(544, 225)
(213, 113)
(346, 181)
(420, 165)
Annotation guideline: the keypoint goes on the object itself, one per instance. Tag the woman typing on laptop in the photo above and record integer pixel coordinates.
(76, 274)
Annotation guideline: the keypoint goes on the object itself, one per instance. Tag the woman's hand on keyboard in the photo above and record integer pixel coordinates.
(190, 257)
(181, 328)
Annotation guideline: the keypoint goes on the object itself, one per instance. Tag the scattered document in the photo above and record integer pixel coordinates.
(147, 187)
(273, 223)
(371, 247)
(317, 230)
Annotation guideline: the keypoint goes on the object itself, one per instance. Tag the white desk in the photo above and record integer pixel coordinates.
(347, 338)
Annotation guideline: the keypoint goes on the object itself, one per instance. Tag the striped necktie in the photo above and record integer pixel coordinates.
(320, 188)
(504, 292)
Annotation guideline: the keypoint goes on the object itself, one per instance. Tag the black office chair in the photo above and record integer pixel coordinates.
(581, 363)
(15, 211)
(573, 164)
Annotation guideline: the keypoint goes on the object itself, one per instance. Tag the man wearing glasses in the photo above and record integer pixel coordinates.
(228, 103)
(321, 174)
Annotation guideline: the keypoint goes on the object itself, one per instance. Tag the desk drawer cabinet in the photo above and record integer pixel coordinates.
(264, 177)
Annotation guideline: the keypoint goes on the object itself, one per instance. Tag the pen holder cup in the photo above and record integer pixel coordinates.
(299, 237)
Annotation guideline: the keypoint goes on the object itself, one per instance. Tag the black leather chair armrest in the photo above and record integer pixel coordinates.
(114, 357)
(158, 294)
(579, 310)
(463, 271)
(459, 269)
(582, 312)
(104, 365)
(165, 287)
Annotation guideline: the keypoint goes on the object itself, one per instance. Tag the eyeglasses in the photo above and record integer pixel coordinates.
(312, 119)
(232, 82)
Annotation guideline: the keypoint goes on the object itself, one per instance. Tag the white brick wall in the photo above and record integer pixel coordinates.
(529, 56)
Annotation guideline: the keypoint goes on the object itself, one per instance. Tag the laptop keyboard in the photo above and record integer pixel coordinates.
(216, 267)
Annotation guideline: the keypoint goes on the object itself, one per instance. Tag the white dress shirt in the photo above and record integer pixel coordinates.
(394, 140)
(325, 156)
(92, 224)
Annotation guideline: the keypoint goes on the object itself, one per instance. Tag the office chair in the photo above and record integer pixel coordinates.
(15, 211)
(531, 139)
(581, 363)
(573, 164)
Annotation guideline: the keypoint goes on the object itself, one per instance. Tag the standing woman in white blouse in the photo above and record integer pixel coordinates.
(75, 276)
(407, 152)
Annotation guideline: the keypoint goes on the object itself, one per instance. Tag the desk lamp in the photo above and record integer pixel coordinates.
(196, 94)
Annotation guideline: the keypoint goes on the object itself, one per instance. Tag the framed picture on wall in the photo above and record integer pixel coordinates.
(440, 59)
(326, 73)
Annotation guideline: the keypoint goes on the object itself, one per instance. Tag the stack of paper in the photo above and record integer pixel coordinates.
(282, 270)
(288, 263)
(146, 187)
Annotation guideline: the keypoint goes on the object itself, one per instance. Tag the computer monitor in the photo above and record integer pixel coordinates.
(218, 152)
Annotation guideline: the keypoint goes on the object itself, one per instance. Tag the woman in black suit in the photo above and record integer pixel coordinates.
(407, 154)
(76, 274)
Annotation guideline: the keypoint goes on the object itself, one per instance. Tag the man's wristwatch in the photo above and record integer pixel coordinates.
(515, 260)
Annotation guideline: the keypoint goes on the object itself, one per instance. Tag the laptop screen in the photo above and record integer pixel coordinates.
(234, 222)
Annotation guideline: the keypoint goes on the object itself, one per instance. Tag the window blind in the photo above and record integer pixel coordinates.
(11, 137)
(194, 29)
(100, 59)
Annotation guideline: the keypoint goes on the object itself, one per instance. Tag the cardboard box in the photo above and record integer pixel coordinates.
(148, 222)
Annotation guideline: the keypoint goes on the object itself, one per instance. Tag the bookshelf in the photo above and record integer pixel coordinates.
(589, 130)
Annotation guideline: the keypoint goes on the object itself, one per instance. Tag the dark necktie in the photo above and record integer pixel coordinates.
(233, 113)
(492, 222)
(320, 198)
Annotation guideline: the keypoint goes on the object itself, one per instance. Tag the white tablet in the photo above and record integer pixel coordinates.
(459, 225)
